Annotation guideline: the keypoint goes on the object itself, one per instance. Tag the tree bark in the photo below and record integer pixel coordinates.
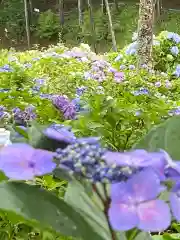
(111, 26)
(92, 24)
(27, 22)
(145, 32)
(80, 12)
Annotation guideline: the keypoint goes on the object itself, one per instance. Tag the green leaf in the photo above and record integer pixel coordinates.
(14, 138)
(89, 207)
(144, 236)
(21, 131)
(165, 136)
(41, 208)
(35, 134)
(172, 236)
(157, 237)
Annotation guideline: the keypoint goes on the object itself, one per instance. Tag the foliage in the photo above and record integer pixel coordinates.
(48, 25)
(105, 97)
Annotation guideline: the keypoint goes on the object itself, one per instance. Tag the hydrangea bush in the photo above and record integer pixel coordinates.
(95, 122)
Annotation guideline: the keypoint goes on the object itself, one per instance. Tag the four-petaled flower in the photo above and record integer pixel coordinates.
(20, 161)
(134, 204)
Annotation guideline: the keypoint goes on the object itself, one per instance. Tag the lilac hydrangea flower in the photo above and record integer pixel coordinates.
(139, 159)
(177, 71)
(118, 76)
(59, 133)
(175, 201)
(168, 84)
(122, 67)
(20, 161)
(175, 50)
(157, 84)
(134, 204)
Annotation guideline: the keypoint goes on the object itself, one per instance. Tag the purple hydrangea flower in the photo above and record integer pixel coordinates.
(22, 117)
(60, 101)
(134, 204)
(59, 133)
(175, 50)
(20, 161)
(69, 111)
(118, 76)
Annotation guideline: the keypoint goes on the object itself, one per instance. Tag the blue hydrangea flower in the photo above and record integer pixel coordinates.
(20, 161)
(174, 112)
(80, 90)
(122, 67)
(83, 158)
(141, 91)
(175, 50)
(132, 67)
(118, 58)
(177, 71)
(174, 37)
(134, 204)
(6, 68)
(27, 65)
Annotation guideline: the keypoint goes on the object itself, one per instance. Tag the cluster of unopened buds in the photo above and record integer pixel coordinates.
(137, 178)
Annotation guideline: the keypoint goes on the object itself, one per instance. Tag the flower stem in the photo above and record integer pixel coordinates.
(106, 203)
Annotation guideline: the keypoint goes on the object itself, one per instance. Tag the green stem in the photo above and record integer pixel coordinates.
(106, 203)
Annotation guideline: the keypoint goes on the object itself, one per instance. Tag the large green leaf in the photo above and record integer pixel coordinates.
(44, 209)
(89, 206)
(144, 236)
(164, 136)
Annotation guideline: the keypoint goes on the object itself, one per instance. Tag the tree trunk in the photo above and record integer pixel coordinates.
(145, 32)
(27, 22)
(80, 12)
(111, 27)
(61, 12)
(93, 33)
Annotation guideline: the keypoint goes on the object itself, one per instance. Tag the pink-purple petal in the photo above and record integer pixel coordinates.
(122, 217)
(154, 216)
(145, 185)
